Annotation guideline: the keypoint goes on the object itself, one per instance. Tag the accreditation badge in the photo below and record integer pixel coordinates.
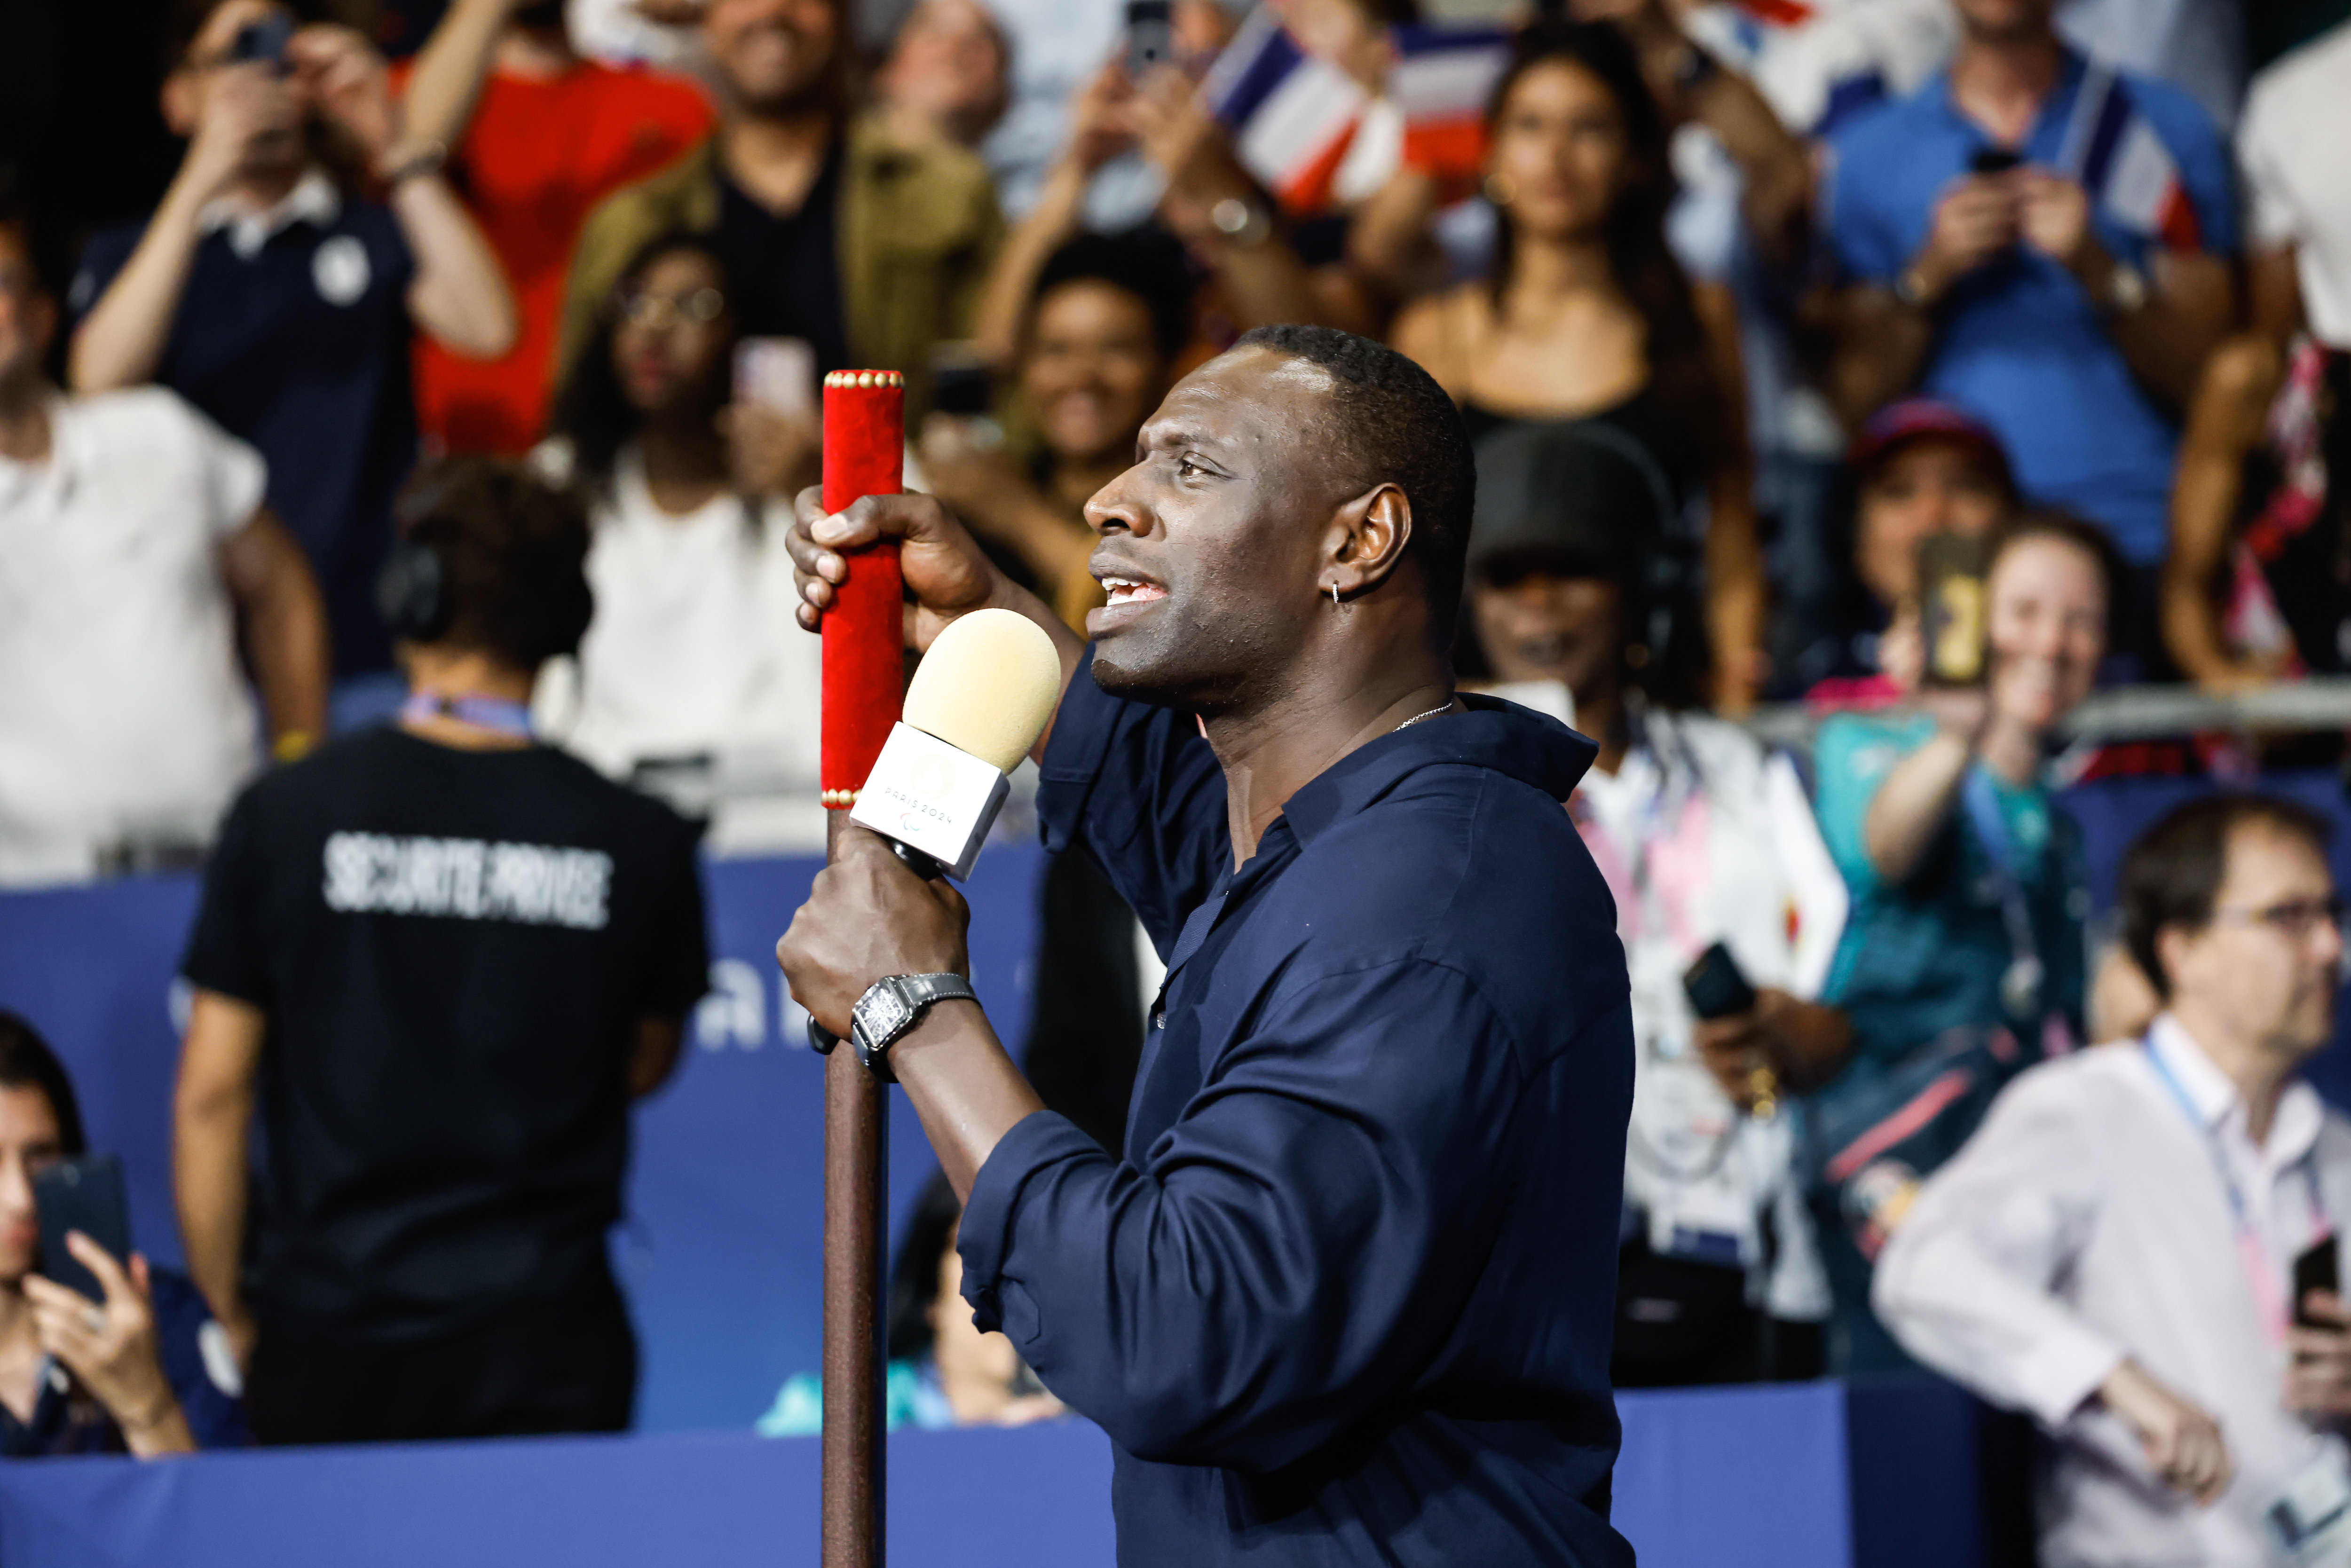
(2308, 1524)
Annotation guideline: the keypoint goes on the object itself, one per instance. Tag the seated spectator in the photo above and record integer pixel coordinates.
(135, 546)
(537, 137)
(1097, 353)
(949, 75)
(1962, 956)
(2253, 589)
(142, 1372)
(2044, 242)
(2296, 113)
(272, 295)
(942, 1370)
(1589, 318)
(1920, 469)
(835, 233)
(2114, 1251)
(692, 656)
(440, 960)
(1703, 838)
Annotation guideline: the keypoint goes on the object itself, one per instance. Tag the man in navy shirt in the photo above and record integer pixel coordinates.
(1348, 1298)
(2042, 241)
(268, 294)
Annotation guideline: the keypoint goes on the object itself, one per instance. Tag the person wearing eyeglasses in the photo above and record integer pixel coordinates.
(2133, 1245)
(691, 662)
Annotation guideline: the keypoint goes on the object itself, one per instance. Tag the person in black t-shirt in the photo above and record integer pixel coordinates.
(443, 960)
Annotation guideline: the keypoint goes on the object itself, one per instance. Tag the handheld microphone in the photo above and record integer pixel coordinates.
(976, 705)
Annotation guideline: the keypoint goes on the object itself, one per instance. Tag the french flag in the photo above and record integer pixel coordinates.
(1440, 82)
(1291, 115)
(2124, 165)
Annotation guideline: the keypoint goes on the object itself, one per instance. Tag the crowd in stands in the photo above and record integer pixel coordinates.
(1929, 362)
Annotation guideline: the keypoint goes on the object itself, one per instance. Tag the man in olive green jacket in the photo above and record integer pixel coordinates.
(913, 229)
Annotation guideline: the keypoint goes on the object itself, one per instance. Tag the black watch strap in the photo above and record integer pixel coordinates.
(893, 1005)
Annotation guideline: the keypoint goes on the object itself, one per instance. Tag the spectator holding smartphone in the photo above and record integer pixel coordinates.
(2117, 1250)
(1703, 838)
(1962, 957)
(146, 1370)
(274, 292)
(2045, 241)
(692, 653)
(1920, 469)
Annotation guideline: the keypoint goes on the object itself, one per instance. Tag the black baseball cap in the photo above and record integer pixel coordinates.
(1580, 499)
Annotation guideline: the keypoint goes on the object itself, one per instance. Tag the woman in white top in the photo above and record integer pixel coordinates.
(694, 676)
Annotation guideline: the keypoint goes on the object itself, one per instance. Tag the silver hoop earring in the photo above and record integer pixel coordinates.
(1334, 596)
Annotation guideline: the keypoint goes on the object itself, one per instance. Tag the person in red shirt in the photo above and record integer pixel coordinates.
(537, 136)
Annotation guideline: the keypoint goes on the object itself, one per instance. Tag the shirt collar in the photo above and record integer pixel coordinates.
(2292, 1131)
(313, 200)
(54, 472)
(2072, 65)
(1503, 736)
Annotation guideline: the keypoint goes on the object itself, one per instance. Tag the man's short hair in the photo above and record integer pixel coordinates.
(514, 554)
(2171, 875)
(1395, 425)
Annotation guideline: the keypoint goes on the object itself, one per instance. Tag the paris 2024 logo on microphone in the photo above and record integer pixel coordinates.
(931, 781)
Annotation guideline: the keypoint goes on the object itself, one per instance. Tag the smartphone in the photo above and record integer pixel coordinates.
(1994, 159)
(264, 41)
(960, 383)
(777, 373)
(83, 1194)
(1150, 37)
(1717, 987)
(2317, 1269)
(1952, 569)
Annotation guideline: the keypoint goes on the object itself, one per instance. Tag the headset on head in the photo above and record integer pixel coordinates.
(412, 591)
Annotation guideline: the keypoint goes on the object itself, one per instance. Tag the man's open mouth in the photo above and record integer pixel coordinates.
(1131, 591)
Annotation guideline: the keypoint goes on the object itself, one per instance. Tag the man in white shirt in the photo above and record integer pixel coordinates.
(2114, 1250)
(132, 542)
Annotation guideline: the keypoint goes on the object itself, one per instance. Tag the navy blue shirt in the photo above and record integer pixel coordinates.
(302, 348)
(1350, 1300)
(2022, 346)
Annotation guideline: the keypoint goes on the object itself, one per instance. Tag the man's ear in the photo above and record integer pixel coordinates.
(178, 99)
(2171, 951)
(1368, 537)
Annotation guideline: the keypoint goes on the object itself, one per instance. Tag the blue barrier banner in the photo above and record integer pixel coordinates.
(721, 1247)
(1756, 1478)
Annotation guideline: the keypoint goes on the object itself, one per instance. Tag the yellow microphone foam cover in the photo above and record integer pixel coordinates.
(988, 686)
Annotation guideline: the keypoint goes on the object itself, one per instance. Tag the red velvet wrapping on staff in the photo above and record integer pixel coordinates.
(864, 636)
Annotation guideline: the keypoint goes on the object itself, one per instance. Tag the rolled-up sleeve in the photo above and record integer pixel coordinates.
(1139, 787)
(1968, 1282)
(1288, 1254)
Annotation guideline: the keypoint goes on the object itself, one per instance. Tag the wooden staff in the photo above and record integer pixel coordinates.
(864, 688)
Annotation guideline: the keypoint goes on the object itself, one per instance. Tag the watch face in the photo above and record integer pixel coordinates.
(882, 1012)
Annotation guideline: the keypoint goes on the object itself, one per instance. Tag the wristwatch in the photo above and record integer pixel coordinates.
(1243, 224)
(891, 1006)
(2126, 288)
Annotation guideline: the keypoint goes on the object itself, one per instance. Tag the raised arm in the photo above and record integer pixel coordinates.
(448, 76)
(2224, 424)
(458, 296)
(120, 340)
(1098, 132)
(283, 623)
(211, 1119)
(1735, 590)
